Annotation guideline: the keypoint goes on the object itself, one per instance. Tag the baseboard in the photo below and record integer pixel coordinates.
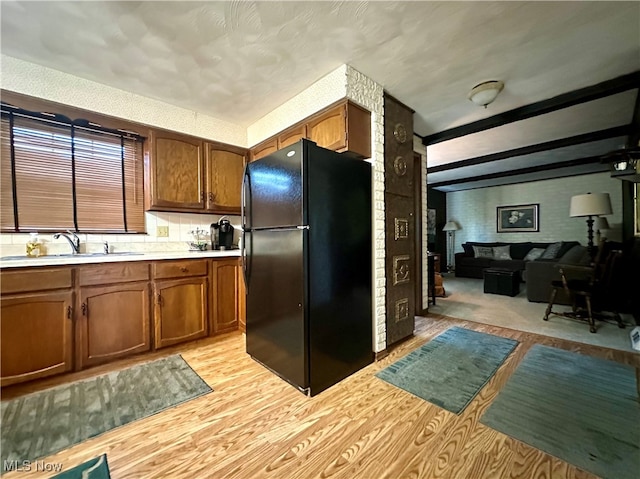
(381, 354)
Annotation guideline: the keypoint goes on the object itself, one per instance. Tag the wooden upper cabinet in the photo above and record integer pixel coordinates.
(225, 166)
(344, 128)
(290, 136)
(263, 149)
(329, 130)
(176, 167)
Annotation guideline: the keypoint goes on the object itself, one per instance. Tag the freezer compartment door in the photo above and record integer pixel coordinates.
(276, 320)
(274, 196)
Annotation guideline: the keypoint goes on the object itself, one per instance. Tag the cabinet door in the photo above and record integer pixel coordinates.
(225, 277)
(177, 166)
(329, 130)
(36, 336)
(242, 300)
(263, 149)
(180, 310)
(224, 179)
(113, 321)
(400, 267)
(398, 148)
(290, 136)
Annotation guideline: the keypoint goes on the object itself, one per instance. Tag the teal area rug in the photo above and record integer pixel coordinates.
(580, 409)
(450, 369)
(42, 423)
(96, 468)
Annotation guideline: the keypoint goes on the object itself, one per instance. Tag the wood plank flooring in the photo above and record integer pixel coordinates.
(254, 425)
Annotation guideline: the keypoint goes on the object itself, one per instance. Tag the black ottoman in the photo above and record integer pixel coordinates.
(501, 281)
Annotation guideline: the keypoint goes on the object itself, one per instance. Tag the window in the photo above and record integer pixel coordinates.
(57, 175)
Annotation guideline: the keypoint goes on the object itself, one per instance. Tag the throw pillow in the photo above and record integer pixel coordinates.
(483, 252)
(501, 252)
(534, 253)
(551, 251)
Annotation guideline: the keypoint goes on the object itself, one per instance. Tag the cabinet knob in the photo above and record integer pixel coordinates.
(84, 309)
(69, 310)
(159, 299)
(184, 269)
(202, 196)
(211, 196)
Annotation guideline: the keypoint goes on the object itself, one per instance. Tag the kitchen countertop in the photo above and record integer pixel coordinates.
(85, 258)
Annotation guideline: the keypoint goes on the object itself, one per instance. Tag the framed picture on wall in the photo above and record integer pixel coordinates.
(518, 218)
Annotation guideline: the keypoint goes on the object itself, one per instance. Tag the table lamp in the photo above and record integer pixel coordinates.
(590, 205)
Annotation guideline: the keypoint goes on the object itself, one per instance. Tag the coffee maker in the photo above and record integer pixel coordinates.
(222, 235)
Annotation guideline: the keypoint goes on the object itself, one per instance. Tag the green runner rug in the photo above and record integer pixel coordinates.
(42, 423)
(580, 409)
(451, 369)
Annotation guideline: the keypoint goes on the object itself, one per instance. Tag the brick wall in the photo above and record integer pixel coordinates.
(475, 210)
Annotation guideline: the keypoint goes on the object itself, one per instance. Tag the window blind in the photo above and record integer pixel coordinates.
(58, 174)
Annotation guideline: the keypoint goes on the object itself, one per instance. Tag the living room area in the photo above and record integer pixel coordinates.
(476, 213)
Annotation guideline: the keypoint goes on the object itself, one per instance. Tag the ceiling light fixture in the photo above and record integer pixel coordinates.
(484, 93)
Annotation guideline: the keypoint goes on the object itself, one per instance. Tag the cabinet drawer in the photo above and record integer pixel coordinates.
(37, 279)
(113, 273)
(179, 269)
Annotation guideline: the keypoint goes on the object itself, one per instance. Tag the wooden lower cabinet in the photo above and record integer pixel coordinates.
(36, 336)
(55, 320)
(113, 321)
(225, 295)
(180, 310)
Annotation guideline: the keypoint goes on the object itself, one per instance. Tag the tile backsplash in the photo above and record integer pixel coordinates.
(179, 225)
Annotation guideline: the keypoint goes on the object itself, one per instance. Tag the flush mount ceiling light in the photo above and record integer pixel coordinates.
(484, 93)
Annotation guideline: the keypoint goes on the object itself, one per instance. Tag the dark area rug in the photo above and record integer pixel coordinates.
(42, 423)
(580, 409)
(451, 369)
(96, 468)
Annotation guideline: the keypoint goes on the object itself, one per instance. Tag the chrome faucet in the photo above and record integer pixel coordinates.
(75, 242)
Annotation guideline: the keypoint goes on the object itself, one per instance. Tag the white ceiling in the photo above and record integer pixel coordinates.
(239, 60)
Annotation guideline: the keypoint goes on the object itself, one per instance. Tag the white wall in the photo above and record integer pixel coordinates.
(321, 94)
(42, 82)
(475, 210)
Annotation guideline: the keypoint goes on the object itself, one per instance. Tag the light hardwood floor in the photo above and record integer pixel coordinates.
(254, 425)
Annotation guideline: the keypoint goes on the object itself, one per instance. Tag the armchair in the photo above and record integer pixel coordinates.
(593, 290)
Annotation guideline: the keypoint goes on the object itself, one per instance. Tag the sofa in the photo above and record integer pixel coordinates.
(512, 256)
(539, 273)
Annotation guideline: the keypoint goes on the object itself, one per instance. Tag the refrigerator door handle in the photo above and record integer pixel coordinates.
(245, 211)
(243, 255)
(245, 208)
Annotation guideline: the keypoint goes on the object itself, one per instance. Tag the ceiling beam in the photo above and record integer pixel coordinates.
(565, 100)
(547, 145)
(521, 171)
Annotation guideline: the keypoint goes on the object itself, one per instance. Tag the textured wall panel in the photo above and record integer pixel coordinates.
(369, 94)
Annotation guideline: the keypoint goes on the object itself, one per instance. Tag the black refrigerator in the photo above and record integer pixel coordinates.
(307, 264)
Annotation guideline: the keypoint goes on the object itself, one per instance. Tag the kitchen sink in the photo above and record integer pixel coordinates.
(69, 255)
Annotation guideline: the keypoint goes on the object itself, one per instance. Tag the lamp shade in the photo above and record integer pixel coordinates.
(485, 92)
(602, 223)
(451, 226)
(591, 204)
